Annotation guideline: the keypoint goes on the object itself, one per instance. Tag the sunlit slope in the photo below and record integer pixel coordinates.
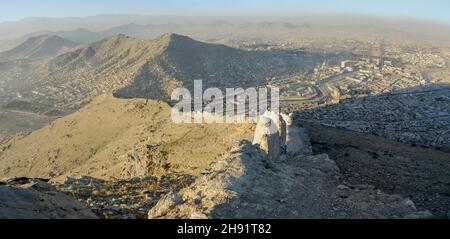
(117, 138)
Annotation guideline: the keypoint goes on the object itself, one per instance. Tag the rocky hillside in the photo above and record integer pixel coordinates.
(244, 184)
(150, 68)
(117, 138)
(124, 158)
(38, 47)
(277, 176)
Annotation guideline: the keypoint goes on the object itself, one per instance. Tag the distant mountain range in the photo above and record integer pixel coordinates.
(91, 29)
(149, 31)
(43, 46)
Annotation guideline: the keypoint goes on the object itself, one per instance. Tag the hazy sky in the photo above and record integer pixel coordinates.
(437, 10)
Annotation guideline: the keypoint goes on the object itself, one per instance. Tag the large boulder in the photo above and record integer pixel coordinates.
(267, 136)
(297, 139)
(34, 199)
(282, 132)
(278, 135)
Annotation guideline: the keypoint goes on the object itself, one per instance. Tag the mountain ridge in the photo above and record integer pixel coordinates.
(138, 68)
(38, 47)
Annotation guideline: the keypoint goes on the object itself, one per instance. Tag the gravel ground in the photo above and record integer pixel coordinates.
(420, 174)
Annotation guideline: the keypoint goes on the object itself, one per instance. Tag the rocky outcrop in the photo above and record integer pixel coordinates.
(297, 138)
(243, 184)
(277, 135)
(268, 137)
(22, 198)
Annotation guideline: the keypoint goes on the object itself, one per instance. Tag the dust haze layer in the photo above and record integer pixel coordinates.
(94, 28)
